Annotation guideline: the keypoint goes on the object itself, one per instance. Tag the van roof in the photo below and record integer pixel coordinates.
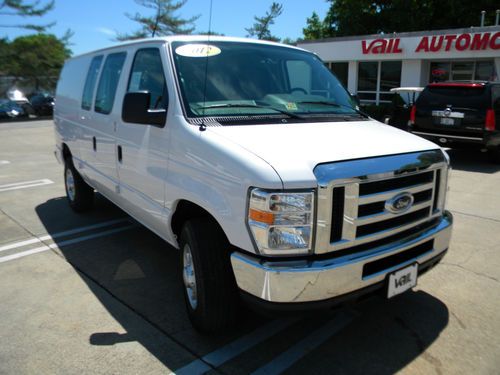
(188, 38)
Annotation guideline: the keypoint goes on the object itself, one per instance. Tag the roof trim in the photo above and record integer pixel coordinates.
(186, 38)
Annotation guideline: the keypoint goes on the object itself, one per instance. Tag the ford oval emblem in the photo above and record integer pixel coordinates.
(400, 203)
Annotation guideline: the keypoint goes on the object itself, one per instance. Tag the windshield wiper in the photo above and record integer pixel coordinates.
(333, 104)
(244, 105)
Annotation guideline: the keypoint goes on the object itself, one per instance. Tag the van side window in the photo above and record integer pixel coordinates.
(108, 82)
(90, 81)
(147, 75)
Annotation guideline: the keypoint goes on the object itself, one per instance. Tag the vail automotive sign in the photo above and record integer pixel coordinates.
(435, 43)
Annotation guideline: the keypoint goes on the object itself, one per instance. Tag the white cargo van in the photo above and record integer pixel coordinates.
(253, 160)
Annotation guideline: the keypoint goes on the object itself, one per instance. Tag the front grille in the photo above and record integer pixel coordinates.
(389, 262)
(365, 230)
(356, 210)
(395, 183)
(337, 213)
(359, 249)
(437, 184)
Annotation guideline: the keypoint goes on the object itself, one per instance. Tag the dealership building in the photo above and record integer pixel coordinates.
(371, 65)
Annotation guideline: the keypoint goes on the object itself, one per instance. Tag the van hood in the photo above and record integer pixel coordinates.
(293, 150)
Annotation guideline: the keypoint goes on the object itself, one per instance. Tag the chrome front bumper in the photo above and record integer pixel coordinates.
(306, 281)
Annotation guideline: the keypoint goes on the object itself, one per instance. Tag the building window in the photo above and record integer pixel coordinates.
(462, 71)
(341, 71)
(376, 79)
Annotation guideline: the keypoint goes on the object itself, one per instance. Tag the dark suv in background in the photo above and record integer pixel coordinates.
(456, 114)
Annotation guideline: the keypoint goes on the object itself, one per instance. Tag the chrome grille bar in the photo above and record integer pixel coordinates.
(377, 197)
(378, 180)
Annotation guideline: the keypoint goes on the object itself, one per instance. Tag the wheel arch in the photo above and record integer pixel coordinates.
(66, 153)
(186, 210)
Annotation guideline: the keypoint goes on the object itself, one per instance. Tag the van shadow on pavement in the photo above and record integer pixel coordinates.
(139, 270)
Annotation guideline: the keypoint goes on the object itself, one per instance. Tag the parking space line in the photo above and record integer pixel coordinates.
(4, 162)
(39, 239)
(235, 348)
(65, 243)
(25, 184)
(305, 346)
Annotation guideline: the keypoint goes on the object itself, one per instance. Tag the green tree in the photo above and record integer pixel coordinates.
(291, 41)
(359, 17)
(315, 28)
(352, 17)
(19, 8)
(164, 21)
(211, 32)
(260, 28)
(4, 52)
(37, 59)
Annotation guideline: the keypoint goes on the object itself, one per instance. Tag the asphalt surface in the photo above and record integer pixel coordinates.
(99, 293)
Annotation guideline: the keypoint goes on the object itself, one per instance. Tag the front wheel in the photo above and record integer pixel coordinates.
(79, 194)
(210, 289)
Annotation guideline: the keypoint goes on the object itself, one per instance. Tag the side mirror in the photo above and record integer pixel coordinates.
(136, 110)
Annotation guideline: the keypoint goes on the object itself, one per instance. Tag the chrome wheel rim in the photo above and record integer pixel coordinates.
(70, 185)
(189, 276)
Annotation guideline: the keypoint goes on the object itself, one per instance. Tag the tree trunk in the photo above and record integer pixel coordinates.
(156, 22)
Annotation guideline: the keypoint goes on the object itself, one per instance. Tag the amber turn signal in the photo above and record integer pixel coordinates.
(261, 217)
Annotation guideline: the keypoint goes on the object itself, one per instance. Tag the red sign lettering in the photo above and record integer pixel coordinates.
(493, 41)
(449, 39)
(463, 42)
(423, 45)
(435, 43)
(381, 46)
(480, 41)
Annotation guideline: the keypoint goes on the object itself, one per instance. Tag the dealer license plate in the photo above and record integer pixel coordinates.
(447, 121)
(402, 280)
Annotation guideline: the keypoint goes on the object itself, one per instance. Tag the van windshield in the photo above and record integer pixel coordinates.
(250, 80)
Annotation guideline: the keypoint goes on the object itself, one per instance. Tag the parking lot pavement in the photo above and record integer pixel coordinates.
(99, 293)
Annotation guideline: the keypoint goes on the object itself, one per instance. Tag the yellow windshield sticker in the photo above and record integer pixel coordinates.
(197, 50)
(291, 106)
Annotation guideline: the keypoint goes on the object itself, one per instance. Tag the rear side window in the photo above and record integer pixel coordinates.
(147, 75)
(88, 89)
(108, 82)
(458, 96)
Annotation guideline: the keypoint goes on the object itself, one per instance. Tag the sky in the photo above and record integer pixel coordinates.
(95, 22)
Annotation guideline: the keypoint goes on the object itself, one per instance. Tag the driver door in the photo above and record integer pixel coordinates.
(142, 149)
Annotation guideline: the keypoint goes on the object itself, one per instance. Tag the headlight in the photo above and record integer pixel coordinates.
(281, 223)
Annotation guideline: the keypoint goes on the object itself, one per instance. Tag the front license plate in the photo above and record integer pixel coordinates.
(447, 121)
(402, 280)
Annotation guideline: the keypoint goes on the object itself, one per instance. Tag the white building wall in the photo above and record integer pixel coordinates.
(408, 48)
(411, 73)
(350, 48)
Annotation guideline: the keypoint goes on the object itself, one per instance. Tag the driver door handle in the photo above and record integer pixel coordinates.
(119, 153)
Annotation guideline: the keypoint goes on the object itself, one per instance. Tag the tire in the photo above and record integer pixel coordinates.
(494, 155)
(79, 194)
(205, 260)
